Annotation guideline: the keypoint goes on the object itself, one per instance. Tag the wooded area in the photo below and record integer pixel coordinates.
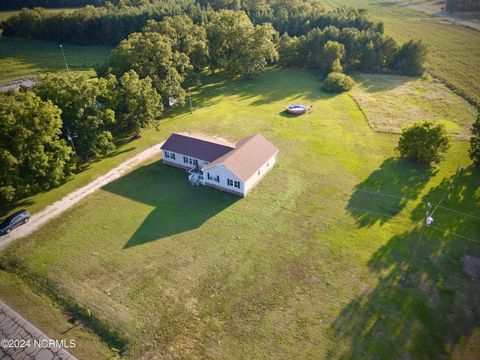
(159, 56)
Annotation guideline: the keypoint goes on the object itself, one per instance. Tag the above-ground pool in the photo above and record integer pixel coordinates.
(297, 109)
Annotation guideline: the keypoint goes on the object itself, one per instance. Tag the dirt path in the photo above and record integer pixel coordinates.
(15, 85)
(74, 197)
(470, 24)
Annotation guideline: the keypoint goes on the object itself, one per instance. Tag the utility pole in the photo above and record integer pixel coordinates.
(190, 95)
(427, 221)
(64, 58)
(70, 138)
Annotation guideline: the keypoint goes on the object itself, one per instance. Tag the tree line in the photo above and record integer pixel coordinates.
(18, 4)
(108, 25)
(68, 119)
(73, 118)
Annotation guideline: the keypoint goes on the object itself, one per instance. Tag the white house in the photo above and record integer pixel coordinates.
(235, 168)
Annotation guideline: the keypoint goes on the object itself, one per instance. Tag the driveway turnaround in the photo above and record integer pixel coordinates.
(74, 197)
(21, 340)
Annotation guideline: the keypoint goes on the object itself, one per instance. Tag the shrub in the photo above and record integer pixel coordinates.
(337, 82)
(423, 142)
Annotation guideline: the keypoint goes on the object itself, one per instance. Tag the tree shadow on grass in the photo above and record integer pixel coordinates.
(424, 319)
(273, 85)
(5, 209)
(459, 211)
(387, 190)
(438, 308)
(178, 206)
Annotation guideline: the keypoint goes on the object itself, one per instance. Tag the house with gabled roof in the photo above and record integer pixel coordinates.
(233, 167)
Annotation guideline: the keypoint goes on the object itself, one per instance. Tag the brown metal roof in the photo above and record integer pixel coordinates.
(247, 157)
(197, 146)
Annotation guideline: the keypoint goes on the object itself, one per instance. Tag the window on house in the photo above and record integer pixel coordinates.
(217, 178)
(258, 172)
(195, 162)
(209, 177)
(190, 160)
(172, 155)
(230, 182)
(237, 184)
(185, 159)
(167, 155)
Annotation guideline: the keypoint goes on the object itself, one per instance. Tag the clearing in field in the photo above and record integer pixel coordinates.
(392, 102)
(307, 266)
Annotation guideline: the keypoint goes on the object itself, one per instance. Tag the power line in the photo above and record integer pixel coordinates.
(427, 222)
(447, 190)
(375, 192)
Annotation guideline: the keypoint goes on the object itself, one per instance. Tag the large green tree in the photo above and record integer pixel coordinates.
(186, 37)
(33, 156)
(474, 151)
(423, 142)
(332, 55)
(236, 44)
(86, 116)
(410, 58)
(135, 101)
(255, 52)
(151, 54)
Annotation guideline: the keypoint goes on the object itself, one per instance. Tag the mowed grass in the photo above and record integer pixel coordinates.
(454, 50)
(26, 58)
(307, 266)
(392, 102)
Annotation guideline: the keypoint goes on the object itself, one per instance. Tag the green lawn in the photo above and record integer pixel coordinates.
(453, 50)
(307, 266)
(25, 58)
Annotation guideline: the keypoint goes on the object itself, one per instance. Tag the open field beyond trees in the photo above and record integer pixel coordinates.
(4, 15)
(307, 266)
(453, 50)
(26, 58)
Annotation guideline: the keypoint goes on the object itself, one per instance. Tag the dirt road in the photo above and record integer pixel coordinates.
(74, 197)
(457, 20)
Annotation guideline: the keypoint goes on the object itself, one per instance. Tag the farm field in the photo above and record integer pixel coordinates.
(25, 58)
(453, 50)
(307, 266)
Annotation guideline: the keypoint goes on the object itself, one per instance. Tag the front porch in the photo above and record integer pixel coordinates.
(195, 177)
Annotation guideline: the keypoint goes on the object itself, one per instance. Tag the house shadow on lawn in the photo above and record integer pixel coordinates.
(178, 206)
(387, 190)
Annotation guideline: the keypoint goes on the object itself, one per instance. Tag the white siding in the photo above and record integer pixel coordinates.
(224, 174)
(179, 160)
(264, 169)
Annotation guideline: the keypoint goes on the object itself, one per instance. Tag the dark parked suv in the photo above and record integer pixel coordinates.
(13, 221)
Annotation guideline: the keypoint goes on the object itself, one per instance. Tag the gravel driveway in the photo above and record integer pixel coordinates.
(74, 197)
